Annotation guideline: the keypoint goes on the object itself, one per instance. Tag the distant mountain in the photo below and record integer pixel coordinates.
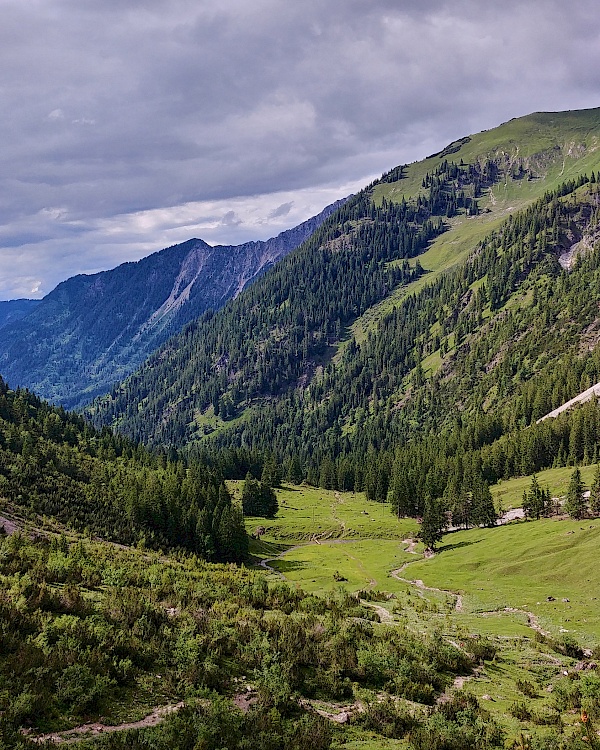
(94, 330)
(15, 309)
(459, 290)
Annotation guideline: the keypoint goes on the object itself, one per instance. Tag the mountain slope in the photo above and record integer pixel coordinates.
(92, 331)
(319, 360)
(52, 464)
(15, 309)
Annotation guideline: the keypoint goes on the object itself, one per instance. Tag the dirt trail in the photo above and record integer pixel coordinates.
(337, 714)
(96, 728)
(411, 546)
(264, 563)
(532, 619)
(9, 525)
(384, 614)
(458, 606)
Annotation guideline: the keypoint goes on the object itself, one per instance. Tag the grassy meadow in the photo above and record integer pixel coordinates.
(322, 540)
(526, 589)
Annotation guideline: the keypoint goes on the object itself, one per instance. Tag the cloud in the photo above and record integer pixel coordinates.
(230, 219)
(282, 210)
(115, 110)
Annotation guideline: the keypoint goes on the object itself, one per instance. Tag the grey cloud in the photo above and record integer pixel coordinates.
(111, 108)
(282, 210)
(230, 219)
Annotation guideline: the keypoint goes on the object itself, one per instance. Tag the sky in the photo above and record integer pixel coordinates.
(131, 125)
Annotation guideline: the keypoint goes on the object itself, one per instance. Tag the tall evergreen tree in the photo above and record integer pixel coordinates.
(434, 522)
(536, 500)
(595, 493)
(484, 513)
(575, 505)
(258, 499)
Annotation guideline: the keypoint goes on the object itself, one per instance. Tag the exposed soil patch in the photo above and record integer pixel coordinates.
(96, 728)
(244, 701)
(8, 525)
(411, 546)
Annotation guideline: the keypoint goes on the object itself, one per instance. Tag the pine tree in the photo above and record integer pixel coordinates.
(434, 522)
(295, 474)
(258, 499)
(403, 493)
(595, 493)
(271, 473)
(535, 501)
(575, 505)
(483, 512)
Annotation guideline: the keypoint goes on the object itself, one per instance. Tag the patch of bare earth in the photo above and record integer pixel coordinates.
(8, 525)
(337, 714)
(94, 729)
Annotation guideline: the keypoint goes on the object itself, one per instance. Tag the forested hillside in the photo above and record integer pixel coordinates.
(374, 335)
(15, 309)
(281, 332)
(92, 331)
(53, 464)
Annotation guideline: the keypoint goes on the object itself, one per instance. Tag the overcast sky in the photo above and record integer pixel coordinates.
(131, 125)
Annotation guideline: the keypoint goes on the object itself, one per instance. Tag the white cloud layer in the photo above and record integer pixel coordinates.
(129, 126)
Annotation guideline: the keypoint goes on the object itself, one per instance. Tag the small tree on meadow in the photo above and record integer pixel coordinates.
(595, 493)
(434, 522)
(258, 499)
(575, 505)
(536, 501)
(484, 513)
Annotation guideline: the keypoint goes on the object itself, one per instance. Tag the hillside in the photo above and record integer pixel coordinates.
(53, 465)
(436, 291)
(92, 331)
(15, 309)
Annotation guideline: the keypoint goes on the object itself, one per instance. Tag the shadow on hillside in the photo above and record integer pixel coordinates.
(458, 545)
(285, 566)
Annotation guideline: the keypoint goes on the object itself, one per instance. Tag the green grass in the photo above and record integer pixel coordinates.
(520, 565)
(364, 564)
(320, 536)
(306, 512)
(515, 566)
(509, 493)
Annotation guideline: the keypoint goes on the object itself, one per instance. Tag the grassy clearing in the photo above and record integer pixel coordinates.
(488, 583)
(364, 565)
(306, 512)
(520, 566)
(509, 493)
(320, 537)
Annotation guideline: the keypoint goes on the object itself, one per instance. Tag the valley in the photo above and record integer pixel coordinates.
(381, 395)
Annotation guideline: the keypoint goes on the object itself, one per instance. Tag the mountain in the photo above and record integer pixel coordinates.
(93, 330)
(15, 309)
(364, 335)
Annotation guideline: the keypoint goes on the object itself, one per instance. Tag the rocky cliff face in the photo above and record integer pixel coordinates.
(92, 331)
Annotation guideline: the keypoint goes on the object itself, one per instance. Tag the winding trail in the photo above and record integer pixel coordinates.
(94, 729)
(532, 619)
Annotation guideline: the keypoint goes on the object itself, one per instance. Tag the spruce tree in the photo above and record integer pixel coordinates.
(483, 513)
(595, 493)
(434, 522)
(575, 505)
(536, 500)
(258, 499)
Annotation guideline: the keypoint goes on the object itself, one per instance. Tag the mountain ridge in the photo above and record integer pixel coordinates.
(215, 390)
(93, 330)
